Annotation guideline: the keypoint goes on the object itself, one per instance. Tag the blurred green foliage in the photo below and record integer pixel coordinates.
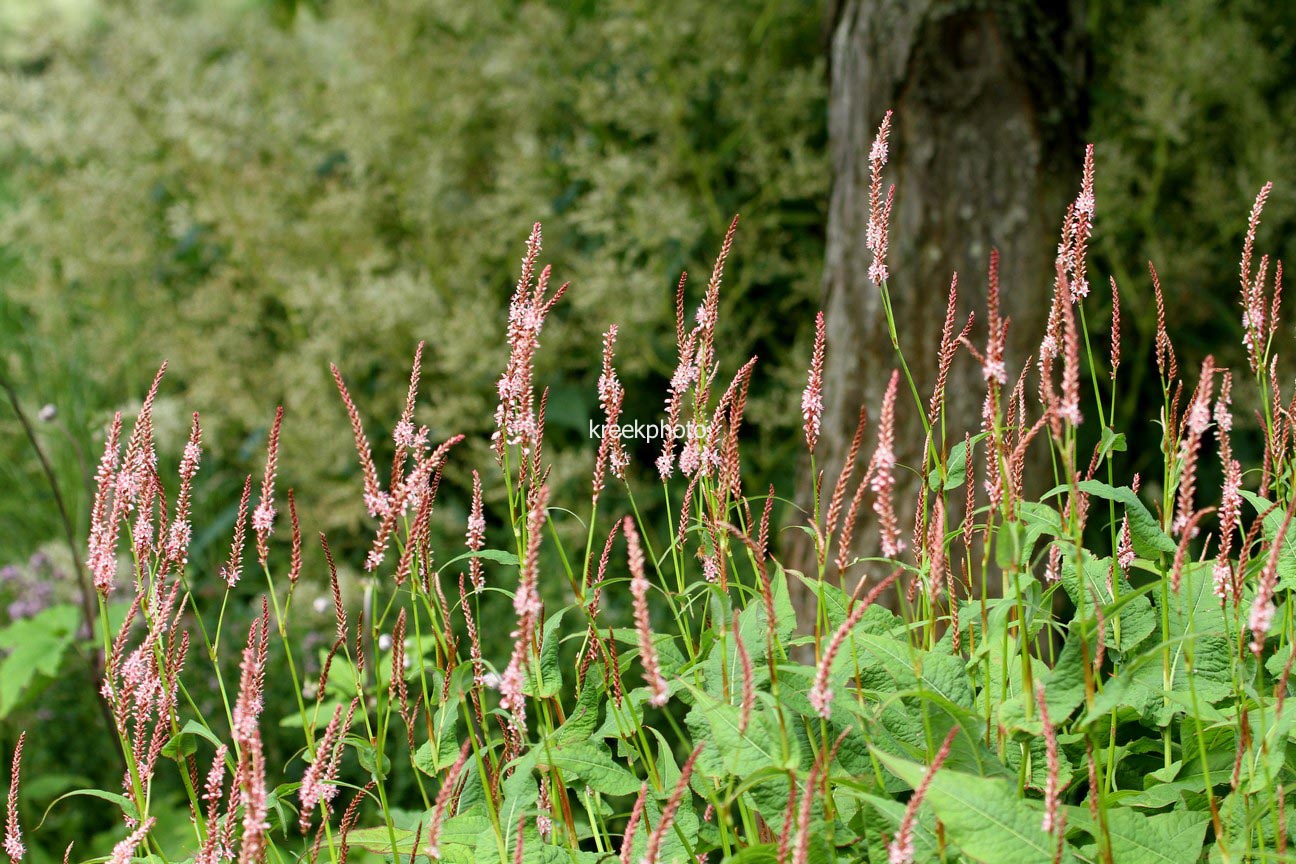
(251, 197)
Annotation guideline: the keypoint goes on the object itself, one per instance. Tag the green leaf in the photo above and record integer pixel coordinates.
(1112, 442)
(1272, 525)
(545, 678)
(762, 853)
(127, 806)
(439, 752)
(498, 555)
(36, 648)
(955, 467)
(583, 719)
(982, 816)
(1148, 538)
(593, 764)
(368, 755)
(1136, 616)
(892, 812)
(1166, 838)
(730, 752)
(183, 742)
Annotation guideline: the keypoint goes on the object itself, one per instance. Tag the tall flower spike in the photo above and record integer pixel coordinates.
(672, 807)
(375, 499)
(611, 397)
(900, 850)
(263, 516)
(993, 368)
(1050, 821)
(821, 694)
(176, 547)
(104, 516)
(444, 795)
(1199, 418)
(475, 537)
(1253, 306)
(1069, 409)
(319, 783)
(526, 603)
(636, 813)
(639, 589)
(812, 404)
(1262, 607)
(515, 418)
(879, 213)
(882, 472)
(404, 435)
(1073, 248)
(233, 569)
(13, 845)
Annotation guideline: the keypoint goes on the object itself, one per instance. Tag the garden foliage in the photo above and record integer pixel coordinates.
(1097, 674)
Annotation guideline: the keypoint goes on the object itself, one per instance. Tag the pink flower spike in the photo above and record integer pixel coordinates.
(821, 694)
(879, 213)
(639, 589)
(124, 851)
(812, 403)
(13, 834)
(882, 473)
(900, 850)
(1051, 789)
(263, 516)
(1262, 607)
(233, 569)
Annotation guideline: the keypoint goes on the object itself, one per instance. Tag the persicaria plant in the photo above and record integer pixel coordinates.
(1097, 673)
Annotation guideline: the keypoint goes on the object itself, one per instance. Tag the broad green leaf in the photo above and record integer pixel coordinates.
(185, 741)
(730, 752)
(1272, 525)
(1112, 442)
(439, 752)
(955, 467)
(591, 763)
(36, 647)
(379, 840)
(890, 813)
(368, 755)
(498, 555)
(1166, 838)
(1016, 540)
(1136, 616)
(126, 806)
(939, 673)
(763, 853)
(1148, 538)
(583, 719)
(545, 678)
(983, 816)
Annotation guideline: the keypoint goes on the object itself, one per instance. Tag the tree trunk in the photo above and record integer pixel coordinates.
(985, 153)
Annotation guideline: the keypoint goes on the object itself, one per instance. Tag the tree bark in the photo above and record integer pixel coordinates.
(985, 153)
